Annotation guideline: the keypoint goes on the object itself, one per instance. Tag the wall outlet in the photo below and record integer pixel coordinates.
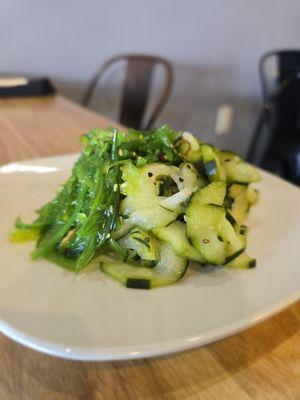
(224, 120)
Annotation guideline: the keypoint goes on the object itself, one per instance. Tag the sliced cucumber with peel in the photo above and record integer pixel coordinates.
(169, 269)
(212, 166)
(187, 177)
(240, 204)
(175, 235)
(243, 261)
(209, 227)
(203, 217)
(234, 242)
(142, 205)
(243, 197)
(237, 170)
(143, 243)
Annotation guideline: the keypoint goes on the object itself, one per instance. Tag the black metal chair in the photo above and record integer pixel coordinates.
(136, 88)
(277, 148)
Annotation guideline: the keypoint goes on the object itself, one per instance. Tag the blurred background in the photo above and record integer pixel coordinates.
(214, 47)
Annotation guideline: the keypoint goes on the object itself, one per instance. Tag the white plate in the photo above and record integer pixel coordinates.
(88, 316)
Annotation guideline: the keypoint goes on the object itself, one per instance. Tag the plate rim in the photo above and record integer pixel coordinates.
(161, 348)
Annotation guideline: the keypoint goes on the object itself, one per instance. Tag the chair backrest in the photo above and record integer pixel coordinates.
(278, 150)
(136, 88)
(277, 66)
(279, 74)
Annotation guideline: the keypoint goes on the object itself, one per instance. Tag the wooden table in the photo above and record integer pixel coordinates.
(261, 363)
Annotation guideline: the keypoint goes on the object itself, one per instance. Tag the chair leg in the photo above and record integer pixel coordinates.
(256, 134)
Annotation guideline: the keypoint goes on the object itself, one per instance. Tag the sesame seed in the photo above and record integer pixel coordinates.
(111, 209)
(184, 218)
(115, 188)
(120, 152)
(108, 236)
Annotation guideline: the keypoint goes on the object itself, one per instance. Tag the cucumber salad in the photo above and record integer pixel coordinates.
(144, 204)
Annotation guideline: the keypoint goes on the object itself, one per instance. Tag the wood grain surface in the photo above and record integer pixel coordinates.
(261, 363)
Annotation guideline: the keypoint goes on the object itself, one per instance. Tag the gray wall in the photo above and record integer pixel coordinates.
(214, 45)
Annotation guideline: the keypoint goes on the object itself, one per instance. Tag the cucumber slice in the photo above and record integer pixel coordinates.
(187, 177)
(232, 220)
(243, 261)
(168, 270)
(175, 235)
(191, 178)
(225, 155)
(214, 193)
(240, 204)
(123, 230)
(190, 148)
(203, 216)
(244, 230)
(143, 206)
(176, 202)
(242, 172)
(140, 185)
(202, 223)
(234, 243)
(252, 195)
(153, 216)
(212, 166)
(142, 242)
(238, 170)
(211, 230)
(190, 138)
(194, 157)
